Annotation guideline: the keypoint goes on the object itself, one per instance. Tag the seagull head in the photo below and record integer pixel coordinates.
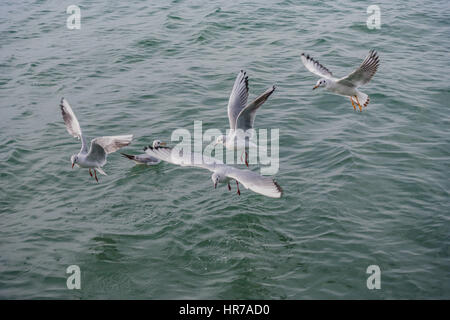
(158, 143)
(216, 179)
(74, 159)
(220, 140)
(321, 83)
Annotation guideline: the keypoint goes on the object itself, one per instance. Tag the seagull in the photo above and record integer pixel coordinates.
(241, 116)
(145, 158)
(348, 85)
(95, 157)
(222, 173)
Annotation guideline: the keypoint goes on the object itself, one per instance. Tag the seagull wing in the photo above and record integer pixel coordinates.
(256, 182)
(176, 157)
(364, 73)
(246, 117)
(238, 98)
(142, 158)
(113, 143)
(102, 146)
(250, 180)
(96, 154)
(315, 67)
(71, 121)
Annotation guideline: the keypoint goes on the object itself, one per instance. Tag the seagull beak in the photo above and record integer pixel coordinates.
(162, 144)
(315, 87)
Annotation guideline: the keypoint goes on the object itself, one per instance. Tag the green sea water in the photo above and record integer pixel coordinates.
(360, 189)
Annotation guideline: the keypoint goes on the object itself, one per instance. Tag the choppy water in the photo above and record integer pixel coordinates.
(360, 188)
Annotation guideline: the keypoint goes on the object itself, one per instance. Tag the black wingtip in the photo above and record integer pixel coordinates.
(280, 190)
(127, 156)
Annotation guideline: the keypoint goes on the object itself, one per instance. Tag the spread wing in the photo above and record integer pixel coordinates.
(112, 143)
(256, 182)
(102, 146)
(141, 158)
(238, 98)
(250, 180)
(246, 117)
(96, 154)
(365, 72)
(175, 156)
(71, 121)
(315, 67)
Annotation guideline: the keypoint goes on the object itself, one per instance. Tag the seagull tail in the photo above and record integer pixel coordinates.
(363, 99)
(128, 156)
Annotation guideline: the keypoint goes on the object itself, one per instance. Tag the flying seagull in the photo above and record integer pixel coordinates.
(95, 157)
(242, 116)
(347, 86)
(145, 158)
(221, 172)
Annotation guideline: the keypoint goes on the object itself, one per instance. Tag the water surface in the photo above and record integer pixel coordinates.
(360, 188)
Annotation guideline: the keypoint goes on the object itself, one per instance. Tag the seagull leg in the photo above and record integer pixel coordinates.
(353, 104)
(238, 191)
(246, 158)
(359, 104)
(90, 172)
(95, 172)
(229, 187)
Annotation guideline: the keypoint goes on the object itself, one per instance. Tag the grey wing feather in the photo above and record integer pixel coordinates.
(238, 98)
(315, 67)
(71, 122)
(246, 117)
(102, 146)
(365, 72)
(256, 182)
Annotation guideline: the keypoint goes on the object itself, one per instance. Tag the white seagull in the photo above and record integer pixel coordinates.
(348, 85)
(221, 172)
(145, 158)
(94, 157)
(241, 116)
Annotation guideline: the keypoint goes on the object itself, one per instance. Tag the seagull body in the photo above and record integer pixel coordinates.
(95, 157)
(346, 86)
(145, 158)
(241, 116)
(221, 172)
